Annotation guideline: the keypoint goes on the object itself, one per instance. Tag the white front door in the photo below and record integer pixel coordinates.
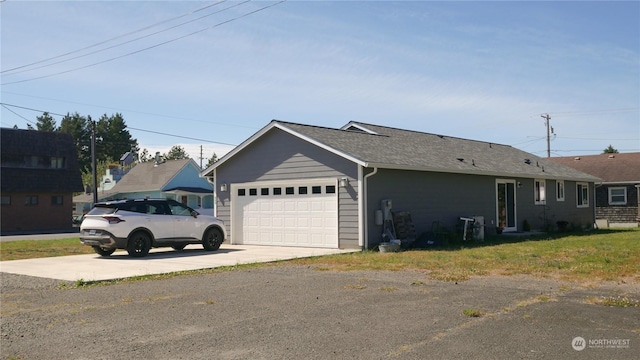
(291, 213)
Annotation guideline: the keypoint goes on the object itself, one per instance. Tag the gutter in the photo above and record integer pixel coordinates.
(364, 240)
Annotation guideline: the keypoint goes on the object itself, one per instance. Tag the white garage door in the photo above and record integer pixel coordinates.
(303, 213)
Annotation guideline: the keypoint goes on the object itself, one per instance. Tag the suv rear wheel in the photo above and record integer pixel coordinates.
(212, 239)
(103, 252)
(139, 244)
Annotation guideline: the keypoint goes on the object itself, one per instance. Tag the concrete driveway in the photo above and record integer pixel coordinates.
(120, 265)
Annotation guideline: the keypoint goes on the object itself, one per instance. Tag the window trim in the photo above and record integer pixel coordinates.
(579, 199)
(611, 202)
(540, 191)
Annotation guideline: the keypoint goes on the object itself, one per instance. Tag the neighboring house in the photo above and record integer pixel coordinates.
(172, 179)
(39, 174)
(618, 196)
(300, 185)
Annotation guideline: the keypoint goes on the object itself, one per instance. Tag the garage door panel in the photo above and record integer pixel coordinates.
(276, 218)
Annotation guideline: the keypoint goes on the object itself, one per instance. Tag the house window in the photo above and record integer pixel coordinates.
(277, 191)
(540, 195)
(5, 199)
(253, 192)
(31, 200)
(57, 200)
(242, 192)
(582, 193)
(289, 190)
(617, 196)
(316, 189)
(302, 190)
(264, 191)
(330, 189)
(560, 190)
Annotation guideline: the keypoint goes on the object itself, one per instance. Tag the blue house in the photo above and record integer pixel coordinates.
(179, 180)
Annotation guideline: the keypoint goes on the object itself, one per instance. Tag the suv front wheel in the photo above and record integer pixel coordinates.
(139, 244)
(212, 239)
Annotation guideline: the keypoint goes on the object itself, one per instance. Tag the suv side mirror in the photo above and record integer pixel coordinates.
(194, 214)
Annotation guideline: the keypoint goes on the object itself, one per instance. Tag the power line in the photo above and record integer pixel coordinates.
(128, 127)
(148, 48)
(129, 41)
(128, 110)
(108, 40)
(18, 115)
(181, 137)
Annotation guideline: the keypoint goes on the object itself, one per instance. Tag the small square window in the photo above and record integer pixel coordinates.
(277, 191)
(617, 196)
(302, 190)
(253, 192)
(316, 190)
(31, 200)
(289, 190)
(57, 200)
(242, 192)
(330, 189)
(264, 191)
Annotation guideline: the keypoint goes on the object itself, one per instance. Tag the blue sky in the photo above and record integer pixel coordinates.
(476, 70)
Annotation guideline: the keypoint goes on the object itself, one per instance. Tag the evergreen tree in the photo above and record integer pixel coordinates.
(46, 122)
(79, 128)
(213, 159)
(176, 153)
(112, 138)
(610, 150)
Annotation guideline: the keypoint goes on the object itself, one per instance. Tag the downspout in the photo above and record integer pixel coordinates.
(363, 213)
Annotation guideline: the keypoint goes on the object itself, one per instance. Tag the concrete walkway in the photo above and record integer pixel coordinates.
(120, 265)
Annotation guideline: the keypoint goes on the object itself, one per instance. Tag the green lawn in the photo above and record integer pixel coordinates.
(610, 255)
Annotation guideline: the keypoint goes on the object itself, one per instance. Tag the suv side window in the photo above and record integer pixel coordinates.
(158, 208)
(179, 209)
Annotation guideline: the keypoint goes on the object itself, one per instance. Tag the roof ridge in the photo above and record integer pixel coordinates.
(429, 133)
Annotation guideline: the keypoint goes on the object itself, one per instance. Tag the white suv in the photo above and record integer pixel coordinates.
(139, 225)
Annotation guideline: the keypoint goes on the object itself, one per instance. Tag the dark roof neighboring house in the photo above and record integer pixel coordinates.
(38, 161)
(611, 168)
(385, 147)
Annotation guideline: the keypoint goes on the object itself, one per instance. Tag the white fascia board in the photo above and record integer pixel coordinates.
(358, 126)
(283, 127)
(238, 148)
(319, 144)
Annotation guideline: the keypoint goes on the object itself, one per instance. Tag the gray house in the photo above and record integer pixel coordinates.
(300, 185)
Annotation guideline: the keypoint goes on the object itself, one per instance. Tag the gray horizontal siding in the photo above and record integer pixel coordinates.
(442, 197)
(278, 155)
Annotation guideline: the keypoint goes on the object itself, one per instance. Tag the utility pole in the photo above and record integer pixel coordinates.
(93, 160)
(201, 157)
(546, 118)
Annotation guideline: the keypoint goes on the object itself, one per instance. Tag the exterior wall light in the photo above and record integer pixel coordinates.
(223, 187)
(343, 182)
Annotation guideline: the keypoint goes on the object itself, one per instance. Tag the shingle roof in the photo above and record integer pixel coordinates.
(386, 147)
(147, 176)
(611, 168)
(16, 142)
